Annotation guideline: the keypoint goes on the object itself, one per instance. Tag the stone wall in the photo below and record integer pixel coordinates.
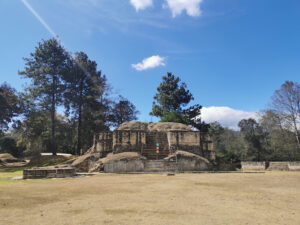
(180, 161)
(128, 141)
(124, 166)
(253, 165)
(279, 166)
(103, 143)
(144, 142)
(49, 172)
(272, 166)
(294, 166)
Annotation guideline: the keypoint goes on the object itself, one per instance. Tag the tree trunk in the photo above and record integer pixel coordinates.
(296, 133)
(53, 110)
(79, 132)
(78, 148)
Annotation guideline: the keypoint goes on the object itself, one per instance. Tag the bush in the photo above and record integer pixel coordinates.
(9, 145)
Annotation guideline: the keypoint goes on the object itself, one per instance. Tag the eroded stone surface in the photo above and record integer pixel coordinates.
(144, 138)
(49, 172)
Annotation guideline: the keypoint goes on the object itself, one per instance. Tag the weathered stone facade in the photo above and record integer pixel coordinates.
(49, 172)
(283, 166)
(143, 138)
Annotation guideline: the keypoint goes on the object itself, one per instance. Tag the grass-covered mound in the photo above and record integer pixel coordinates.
(48, 160)
(8, 158)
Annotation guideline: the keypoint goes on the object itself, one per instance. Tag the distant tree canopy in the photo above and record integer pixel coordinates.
(122, 111)
(60, 81)
(10, 105)
(286, 104)
(68, 100)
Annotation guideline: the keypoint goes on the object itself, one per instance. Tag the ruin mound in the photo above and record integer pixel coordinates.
(187, 161)
(159, 127)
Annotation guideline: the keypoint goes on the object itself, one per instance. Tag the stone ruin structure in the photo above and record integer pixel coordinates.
(145, 138)
(49, 172)
(148, 147)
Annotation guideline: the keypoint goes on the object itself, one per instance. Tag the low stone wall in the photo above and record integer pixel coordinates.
(49, 172)
(186, 161)
(180, 161)
(124, 166)
(283, 166)
(272, 166)
(294, 166)
(253, 165)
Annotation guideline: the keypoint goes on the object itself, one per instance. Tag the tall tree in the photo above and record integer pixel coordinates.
(46, 67)
(281, 143)
(193, 118)
(123, 111)
(286, 103)
(254, 135)
(171, 96)
(9, 105)
(85, 95)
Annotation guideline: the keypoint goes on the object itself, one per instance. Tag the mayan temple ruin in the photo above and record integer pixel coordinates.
(154, 140)
(149, 147)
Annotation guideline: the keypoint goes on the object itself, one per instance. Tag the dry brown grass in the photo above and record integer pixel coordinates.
(261, 198)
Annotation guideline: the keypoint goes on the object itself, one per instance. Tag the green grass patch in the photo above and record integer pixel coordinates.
(6, 174)
(6, 177)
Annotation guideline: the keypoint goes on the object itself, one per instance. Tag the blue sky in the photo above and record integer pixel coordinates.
(232, 54)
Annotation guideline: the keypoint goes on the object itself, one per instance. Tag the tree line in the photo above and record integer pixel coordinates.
(69, 99)
(275, 136)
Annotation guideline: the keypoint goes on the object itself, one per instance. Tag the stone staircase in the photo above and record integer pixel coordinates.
(159, 166)
(149, 150)
(151, 154)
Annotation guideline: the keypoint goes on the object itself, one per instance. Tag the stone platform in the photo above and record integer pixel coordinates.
(49, 172)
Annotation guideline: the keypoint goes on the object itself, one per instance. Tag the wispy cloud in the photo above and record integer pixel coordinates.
(141, 4)
(226, 116)
(192, 7)
(149, 63)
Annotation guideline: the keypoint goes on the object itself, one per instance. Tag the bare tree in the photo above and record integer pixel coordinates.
(286, 103)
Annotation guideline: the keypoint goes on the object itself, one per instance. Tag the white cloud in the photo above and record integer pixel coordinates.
(226, 116)
(141, 4)
(192, 7)
(149, 63)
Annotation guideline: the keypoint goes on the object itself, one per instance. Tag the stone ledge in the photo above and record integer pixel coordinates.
(49, 172)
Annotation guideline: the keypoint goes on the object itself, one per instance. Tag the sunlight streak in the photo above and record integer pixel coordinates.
(48, 28)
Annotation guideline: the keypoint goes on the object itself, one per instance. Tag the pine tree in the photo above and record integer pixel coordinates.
(171, 96)
(85, 97)
(46, 68)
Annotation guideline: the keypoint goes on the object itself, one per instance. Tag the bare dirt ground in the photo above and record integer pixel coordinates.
(261, 198)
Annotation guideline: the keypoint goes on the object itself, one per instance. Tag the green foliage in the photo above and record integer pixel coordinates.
(171, 96)
(8, 145)
(285, 103)
(254, 137)
(86, 99)
(173, 117)
(9, 106)
(228, 144)
(122, 111)
(192, 117)
(46, 68)
(280, 142)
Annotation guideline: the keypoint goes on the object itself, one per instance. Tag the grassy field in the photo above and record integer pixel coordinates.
(261, 198)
